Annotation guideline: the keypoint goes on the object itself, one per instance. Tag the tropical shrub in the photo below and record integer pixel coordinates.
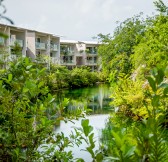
(28, 113)
(82, 77)
(131, 134)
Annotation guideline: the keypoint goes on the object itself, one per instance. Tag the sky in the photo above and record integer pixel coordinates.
(75, 19)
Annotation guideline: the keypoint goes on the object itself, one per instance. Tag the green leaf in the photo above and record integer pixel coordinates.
(10, 77)
(85, 122)
(28, 67)
(112, 158)
(117, 138)
(152, 83)
(99, 156)
(165, 92)
(80, 160)
(155, 101)
(50, 98)
(160, 76)
(40, 84)
(91, 140)
(130, 152)
(25, 89)
(90, 151)
(86, 128)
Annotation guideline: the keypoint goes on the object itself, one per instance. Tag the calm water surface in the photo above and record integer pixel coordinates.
(95, 98)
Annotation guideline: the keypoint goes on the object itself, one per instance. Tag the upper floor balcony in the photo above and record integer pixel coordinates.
(17, 41)
(67, 62)
(67, 52)
(91, 50)
(54, 47)
(40, 46)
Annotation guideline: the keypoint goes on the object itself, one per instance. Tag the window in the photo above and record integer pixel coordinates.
(38, 40)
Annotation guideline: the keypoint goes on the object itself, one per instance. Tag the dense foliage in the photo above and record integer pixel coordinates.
(137, 129)
(116, 51)
(28, 113)
(60, 77)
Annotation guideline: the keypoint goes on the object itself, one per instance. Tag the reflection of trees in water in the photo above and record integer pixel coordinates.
(95, 98)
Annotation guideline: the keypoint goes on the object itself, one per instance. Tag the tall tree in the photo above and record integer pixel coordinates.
(152, 49)
(116, 51)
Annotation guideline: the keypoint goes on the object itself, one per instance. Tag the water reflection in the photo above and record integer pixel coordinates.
(95, 98)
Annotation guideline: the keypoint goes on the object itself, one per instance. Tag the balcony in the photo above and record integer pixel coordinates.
(40, 46)
(54, 60)
(67, 62)
(54, 47)
(17, 41)
(91, 62)
(67, 52)
(20, 42)
(91, 50)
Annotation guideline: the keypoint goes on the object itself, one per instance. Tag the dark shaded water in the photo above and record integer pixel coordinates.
(95, 98)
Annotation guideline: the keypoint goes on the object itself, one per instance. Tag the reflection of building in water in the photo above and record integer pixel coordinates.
(95, 98)
(100, 101)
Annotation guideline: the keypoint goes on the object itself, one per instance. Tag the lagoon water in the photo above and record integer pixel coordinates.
(95, 98)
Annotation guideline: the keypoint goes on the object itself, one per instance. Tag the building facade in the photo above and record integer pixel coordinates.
(36, 44)
(79, 53)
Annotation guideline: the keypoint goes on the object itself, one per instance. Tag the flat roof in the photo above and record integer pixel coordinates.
(18, 27)
(75, 42)
(69, 41)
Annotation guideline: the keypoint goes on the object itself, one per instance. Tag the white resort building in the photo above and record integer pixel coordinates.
(36, 44)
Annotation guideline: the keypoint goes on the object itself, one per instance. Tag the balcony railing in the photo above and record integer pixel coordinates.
(40, 45)
(64, 62)
(18, 41)
(54, 47)
(91, 52)
(54, 60)
(90, 62)
(70, 52)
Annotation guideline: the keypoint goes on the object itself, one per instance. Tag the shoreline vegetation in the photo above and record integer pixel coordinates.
(137, 54)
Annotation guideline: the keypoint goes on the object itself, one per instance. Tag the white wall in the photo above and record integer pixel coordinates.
(31, 48)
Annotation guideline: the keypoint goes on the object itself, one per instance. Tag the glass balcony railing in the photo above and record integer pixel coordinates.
(67, 61)
(18, 41)
(91, 52)
(70, 52)
(54, 60)
(91, 62)
(40, 45)
(54, 47)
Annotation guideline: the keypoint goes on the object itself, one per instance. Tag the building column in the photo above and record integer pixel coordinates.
(25, 44)
(58, 53)
(48, 51)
